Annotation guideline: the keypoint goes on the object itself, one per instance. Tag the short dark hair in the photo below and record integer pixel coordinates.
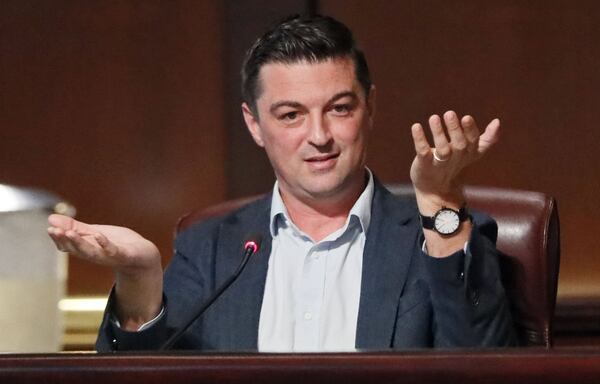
(301, 38)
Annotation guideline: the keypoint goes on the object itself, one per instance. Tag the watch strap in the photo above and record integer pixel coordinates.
(428, 222)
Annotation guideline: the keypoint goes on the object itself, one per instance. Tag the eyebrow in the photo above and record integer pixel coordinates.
(295, 104)
(343, 94)
(284, 103)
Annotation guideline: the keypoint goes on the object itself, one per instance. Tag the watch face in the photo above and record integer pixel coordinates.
(446, 221)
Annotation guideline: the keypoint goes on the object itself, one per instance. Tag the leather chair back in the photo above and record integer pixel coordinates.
(528, 241)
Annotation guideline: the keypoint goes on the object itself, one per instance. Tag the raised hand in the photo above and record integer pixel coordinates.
(135, 261)
(437, 171)
(111, 246)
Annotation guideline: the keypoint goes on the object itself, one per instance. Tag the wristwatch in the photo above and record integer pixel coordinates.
(446, 221)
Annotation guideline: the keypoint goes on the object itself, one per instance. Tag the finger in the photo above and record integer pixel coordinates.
(455, 131)
(65, 244)
(58, 236)
(108, 246)
(490, 136)
(82, 247)
(55, 236)
(470, 129)
(422, 147)
(439, 137)
(60, 221)
(67, 223)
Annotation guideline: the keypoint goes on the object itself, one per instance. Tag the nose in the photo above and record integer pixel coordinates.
(319, 133)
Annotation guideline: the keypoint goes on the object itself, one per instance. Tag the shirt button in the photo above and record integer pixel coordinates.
(461, 276)
(307, 316)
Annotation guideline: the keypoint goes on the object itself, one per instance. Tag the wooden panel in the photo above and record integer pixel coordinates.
(249, 171)
(118, 107)
(532, 64)
(577, 322)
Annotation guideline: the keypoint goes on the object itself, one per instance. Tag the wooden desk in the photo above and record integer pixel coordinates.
(579, 366)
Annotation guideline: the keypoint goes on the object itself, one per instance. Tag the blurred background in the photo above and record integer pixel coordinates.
(129, 110)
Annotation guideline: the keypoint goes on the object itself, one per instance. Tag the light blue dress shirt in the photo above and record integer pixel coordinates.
(312, 291)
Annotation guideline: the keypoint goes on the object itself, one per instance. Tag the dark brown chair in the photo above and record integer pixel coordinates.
(528, 240)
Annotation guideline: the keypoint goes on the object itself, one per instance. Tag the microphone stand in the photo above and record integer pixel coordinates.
(250, 248)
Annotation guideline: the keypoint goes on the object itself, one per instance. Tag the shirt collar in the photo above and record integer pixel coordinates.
(361, 208)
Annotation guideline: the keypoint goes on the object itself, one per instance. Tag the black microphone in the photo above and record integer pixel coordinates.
(250, 248)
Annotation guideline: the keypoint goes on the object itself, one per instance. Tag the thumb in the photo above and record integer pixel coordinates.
(490, 136)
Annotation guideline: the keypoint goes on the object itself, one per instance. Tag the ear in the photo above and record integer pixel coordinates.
(371, 105)
(252, 125)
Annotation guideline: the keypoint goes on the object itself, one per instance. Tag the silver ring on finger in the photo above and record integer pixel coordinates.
(436, 157)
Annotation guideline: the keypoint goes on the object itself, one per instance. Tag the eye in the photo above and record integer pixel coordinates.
(341, 109)
(289, 116)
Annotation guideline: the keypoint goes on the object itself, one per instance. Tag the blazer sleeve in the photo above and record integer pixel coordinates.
(112, 338)
(470, 307)
(187, 282)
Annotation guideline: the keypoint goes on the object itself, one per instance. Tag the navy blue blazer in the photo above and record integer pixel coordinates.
(407, 299)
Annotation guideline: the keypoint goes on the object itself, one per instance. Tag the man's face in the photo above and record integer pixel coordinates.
(314, 120)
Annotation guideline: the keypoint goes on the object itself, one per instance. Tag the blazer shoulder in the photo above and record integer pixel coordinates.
(388, 204)
(209, 228)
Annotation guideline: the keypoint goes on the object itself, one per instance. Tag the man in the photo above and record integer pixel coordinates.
(343, 264)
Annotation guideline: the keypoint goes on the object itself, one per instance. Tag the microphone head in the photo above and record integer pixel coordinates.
(252, 243)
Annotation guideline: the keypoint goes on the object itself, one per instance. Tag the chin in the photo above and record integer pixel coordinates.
(327, 189)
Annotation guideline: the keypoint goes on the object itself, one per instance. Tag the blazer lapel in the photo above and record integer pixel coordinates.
(386, 259)
(239, 307)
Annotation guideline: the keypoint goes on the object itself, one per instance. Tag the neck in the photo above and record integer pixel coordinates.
(320, 216)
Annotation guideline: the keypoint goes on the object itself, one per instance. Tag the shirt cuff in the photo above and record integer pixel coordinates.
(146, 325)
(424, 247)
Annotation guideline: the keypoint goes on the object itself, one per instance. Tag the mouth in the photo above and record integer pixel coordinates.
(318, 158)
(322, 162)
